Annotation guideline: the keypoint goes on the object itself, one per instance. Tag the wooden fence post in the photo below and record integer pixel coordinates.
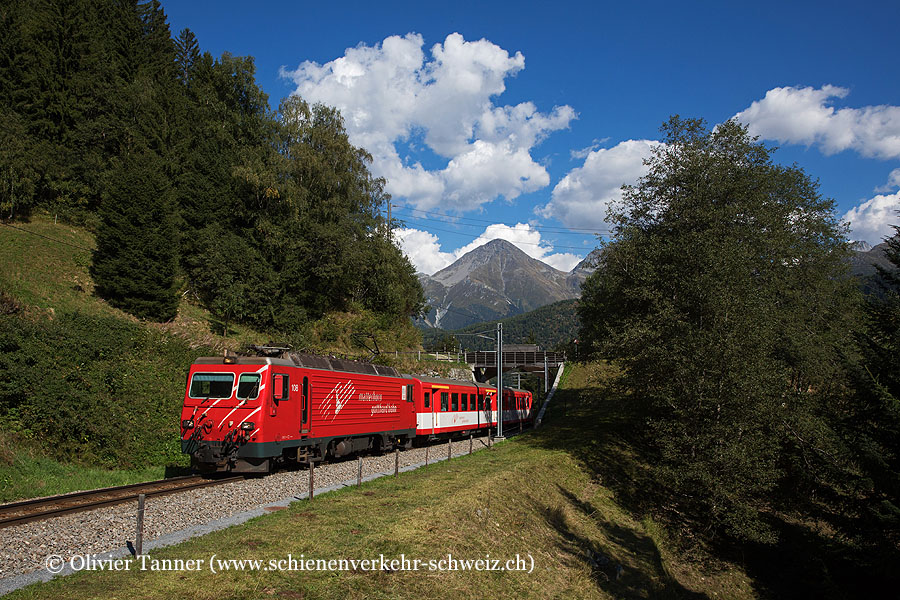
(139, 536)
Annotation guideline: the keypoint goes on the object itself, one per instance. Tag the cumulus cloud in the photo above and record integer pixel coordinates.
(581, 198)
(424, 249)
(871, 221)
(805, 115)
(394, 93)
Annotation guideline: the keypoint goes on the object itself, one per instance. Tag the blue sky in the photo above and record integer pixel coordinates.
(522, 120)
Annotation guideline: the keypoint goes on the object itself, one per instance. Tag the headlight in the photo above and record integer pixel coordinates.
(187, 424)
(248, 426)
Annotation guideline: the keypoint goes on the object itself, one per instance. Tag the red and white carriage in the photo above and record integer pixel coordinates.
(243, 414)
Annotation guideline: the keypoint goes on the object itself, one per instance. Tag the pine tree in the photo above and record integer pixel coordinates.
(187, 53)
(135, 262)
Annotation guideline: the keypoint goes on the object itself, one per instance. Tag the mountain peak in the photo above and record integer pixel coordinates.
(494, 280)
(499, 245)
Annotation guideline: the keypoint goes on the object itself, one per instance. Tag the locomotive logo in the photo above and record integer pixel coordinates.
(338, 397)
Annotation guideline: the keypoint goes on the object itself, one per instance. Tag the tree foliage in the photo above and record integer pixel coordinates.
(273, 216)
(724, 294)
(874, 429)
(134, 265)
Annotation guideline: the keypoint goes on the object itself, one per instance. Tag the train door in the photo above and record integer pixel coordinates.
(285, 405)
(438, 391)
(435, 394)
(304, 406)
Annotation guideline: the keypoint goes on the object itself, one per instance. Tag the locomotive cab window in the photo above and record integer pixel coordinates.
(409, 393)
(211, 385)
(280, 387)
(248, 386)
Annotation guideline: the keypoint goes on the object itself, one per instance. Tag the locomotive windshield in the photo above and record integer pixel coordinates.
(211, 385)
(248, 386)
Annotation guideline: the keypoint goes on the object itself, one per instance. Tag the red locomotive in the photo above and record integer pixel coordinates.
(244, 414)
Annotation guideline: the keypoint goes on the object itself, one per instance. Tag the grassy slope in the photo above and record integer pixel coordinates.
(542, 494)
(50, 277)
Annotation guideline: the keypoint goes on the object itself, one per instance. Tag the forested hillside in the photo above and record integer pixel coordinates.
(554, 326)
(191, 183)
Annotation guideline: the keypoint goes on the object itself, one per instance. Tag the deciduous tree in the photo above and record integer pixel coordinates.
(724, 293)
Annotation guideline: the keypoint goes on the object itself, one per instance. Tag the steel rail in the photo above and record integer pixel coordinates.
(17, 513)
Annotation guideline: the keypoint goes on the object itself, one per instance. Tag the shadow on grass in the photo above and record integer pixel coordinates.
(595, 425)
(632, 569)
(589, 424)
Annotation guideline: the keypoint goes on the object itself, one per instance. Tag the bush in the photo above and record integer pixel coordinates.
(94, 389)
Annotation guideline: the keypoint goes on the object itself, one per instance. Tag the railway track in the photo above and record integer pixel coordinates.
(16, 513)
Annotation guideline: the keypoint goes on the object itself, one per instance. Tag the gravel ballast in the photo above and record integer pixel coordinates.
(170, 519)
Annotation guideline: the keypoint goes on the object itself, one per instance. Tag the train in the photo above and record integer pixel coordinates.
(250, 414)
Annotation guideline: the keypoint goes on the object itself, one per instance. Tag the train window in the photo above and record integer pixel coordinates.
(211, 385)
(444, 401)
(464, 402)
(454, 401)
(480, 401)
(427, 399)
(248, 386)
(280, 387)
(409, 393)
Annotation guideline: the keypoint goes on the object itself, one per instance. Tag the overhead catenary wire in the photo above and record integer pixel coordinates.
(454, 219)
(46, 237)
(545, 230)
(541, 244)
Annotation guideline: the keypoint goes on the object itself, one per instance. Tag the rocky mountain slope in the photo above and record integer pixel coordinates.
(495, 281)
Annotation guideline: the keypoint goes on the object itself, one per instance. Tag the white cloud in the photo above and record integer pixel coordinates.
(393, 93)
(892, 183)
(805, 116)
(424, 249)
(871, 221)
(581, 198)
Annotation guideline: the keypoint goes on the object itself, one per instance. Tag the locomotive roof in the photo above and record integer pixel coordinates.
(309, 361)
(243, 360)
